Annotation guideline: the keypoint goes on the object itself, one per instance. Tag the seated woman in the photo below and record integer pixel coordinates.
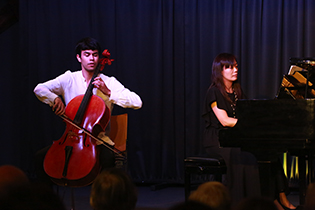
(219, 112)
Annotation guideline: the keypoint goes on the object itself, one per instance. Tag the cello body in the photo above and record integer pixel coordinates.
(73, 159)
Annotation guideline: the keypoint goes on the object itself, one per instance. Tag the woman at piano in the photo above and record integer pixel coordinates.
(242, 177)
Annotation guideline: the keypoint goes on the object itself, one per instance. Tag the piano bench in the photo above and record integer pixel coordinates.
(200, 166)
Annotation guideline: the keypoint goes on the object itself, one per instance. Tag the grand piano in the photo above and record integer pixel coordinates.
(283, 124)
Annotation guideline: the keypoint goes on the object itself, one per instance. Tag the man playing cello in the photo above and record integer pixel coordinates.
(71, 84)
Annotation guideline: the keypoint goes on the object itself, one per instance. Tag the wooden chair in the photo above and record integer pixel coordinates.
(118, 131)
(118, 134)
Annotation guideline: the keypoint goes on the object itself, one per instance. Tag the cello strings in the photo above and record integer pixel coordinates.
(118, 152)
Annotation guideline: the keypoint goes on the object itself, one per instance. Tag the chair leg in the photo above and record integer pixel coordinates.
(218, 177)
(72, 199)
(187, 185)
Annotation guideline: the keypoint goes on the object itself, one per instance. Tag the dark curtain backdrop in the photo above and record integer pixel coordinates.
(163, 50)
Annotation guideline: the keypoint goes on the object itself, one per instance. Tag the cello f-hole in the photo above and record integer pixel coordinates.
(86, 145)
(60, 143)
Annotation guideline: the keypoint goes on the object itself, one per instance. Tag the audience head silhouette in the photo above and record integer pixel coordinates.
(191, 205)
(256, 203)
(213, 194)
(113, 190)
(12, 180)
(17, 192)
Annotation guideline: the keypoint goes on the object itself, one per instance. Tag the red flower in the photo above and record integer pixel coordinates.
(106, 59)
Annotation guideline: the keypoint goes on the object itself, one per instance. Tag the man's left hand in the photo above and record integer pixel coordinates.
(100, 84)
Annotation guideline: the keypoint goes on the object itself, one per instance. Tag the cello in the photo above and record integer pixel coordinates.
(73, 159)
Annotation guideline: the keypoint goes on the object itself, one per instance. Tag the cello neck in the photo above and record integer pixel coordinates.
(85, 101)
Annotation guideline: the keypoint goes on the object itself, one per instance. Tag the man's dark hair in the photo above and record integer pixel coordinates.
(87, 43)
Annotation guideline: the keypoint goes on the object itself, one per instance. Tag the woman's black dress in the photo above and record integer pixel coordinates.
(242, 170)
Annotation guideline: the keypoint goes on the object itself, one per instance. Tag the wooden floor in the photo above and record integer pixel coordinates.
(148, 199)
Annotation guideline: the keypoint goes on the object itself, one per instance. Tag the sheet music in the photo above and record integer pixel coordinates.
(294, 68)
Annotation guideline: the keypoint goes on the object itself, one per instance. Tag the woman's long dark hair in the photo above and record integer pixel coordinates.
(224, 60)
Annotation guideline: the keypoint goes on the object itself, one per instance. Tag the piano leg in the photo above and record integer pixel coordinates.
(305, 179)
(302, 177)
(310, 167)
(267, 179)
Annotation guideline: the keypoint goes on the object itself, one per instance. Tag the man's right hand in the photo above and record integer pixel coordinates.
(58, 107)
